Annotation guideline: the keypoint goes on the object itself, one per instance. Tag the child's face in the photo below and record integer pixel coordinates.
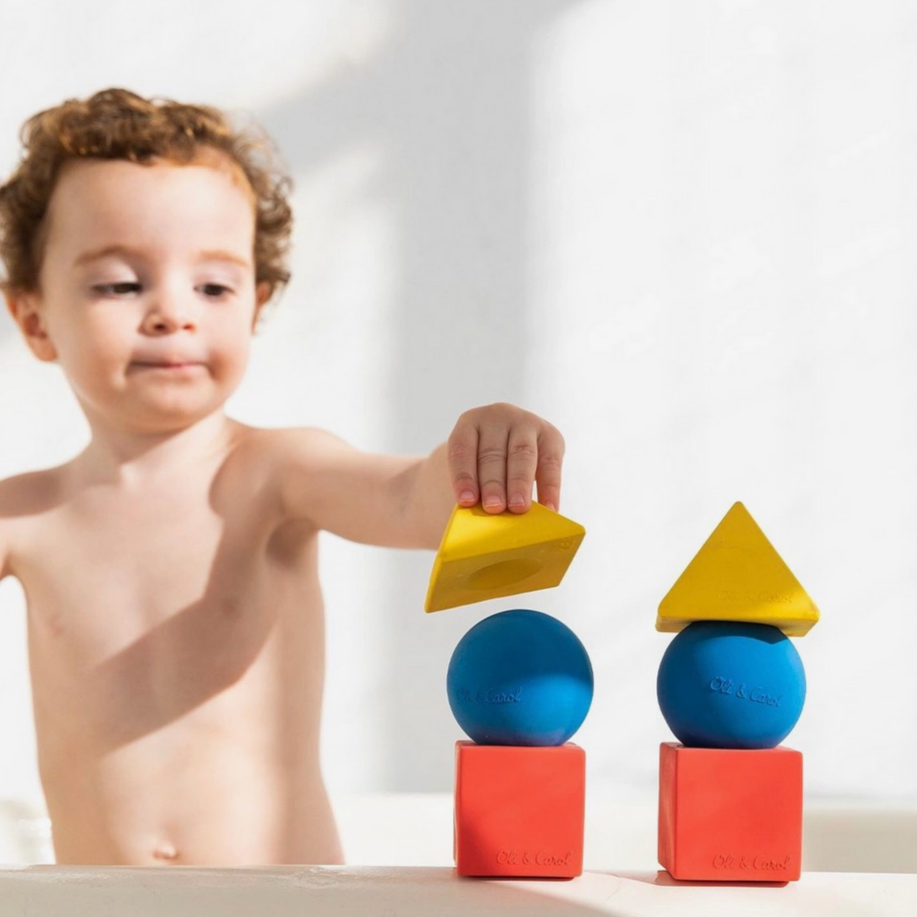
(154, 333)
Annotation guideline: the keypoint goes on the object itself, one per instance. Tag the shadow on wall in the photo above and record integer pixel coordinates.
(448, 99)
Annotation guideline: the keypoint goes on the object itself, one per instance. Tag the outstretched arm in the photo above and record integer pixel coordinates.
(360, 496)
(495, 455)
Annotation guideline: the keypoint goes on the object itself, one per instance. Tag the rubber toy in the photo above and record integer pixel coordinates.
(737, 575)
(520, 677)
(490, 556)
(730, 684)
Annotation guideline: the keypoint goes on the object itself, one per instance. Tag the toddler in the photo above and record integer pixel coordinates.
(175, 621)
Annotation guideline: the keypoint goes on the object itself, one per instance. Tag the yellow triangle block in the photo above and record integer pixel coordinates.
(738, 576)
(486, 556)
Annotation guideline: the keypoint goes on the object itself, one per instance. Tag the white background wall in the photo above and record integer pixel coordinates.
(685, 232)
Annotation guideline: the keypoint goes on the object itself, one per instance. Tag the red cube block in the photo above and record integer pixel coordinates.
(519, 811)
(730, 814)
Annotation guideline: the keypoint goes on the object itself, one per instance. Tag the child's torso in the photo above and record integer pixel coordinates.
(176, 648)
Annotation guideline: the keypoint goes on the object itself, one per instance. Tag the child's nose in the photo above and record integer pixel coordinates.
(168, 313)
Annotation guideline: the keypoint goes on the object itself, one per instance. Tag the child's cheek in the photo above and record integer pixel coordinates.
(229, 360)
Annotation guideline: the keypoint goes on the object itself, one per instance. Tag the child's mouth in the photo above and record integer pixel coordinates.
(168, 367)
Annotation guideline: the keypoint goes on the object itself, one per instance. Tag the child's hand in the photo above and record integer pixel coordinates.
(496, 452)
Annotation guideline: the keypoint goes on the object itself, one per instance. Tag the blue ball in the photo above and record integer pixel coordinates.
(725, 684)
(520, 678)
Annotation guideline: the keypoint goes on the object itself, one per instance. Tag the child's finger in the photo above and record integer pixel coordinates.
(548, 471)
(521, 462)
(492, 443)
(463, 462)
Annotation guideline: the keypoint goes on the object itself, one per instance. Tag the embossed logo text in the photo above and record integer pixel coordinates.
(760, 863)
(490, 697)
(538, 858)
(756, 695)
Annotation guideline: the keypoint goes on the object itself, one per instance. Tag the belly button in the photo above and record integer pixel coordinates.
(165, 852)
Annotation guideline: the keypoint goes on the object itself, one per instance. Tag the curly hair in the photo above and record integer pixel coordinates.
(119, 124)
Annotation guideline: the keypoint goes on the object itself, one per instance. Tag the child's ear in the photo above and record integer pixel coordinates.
(262, 295)
(24, 309)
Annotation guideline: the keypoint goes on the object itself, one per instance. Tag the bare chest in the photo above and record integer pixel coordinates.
(98, 582)
(141, 615)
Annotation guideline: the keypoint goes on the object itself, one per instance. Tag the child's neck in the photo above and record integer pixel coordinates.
(130, 459)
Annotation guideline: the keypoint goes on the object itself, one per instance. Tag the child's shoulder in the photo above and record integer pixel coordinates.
(29, 492)
(279, 445)
(24, 497)
(274, 454)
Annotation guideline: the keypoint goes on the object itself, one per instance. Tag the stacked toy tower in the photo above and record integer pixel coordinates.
(731, 687)
(519, 684)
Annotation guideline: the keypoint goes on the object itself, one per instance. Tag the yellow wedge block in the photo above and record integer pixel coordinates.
(738, 576)
(485, 556)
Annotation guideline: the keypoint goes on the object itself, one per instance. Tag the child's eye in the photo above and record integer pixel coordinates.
(117, 288)
(214, 290)
(211, 290)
